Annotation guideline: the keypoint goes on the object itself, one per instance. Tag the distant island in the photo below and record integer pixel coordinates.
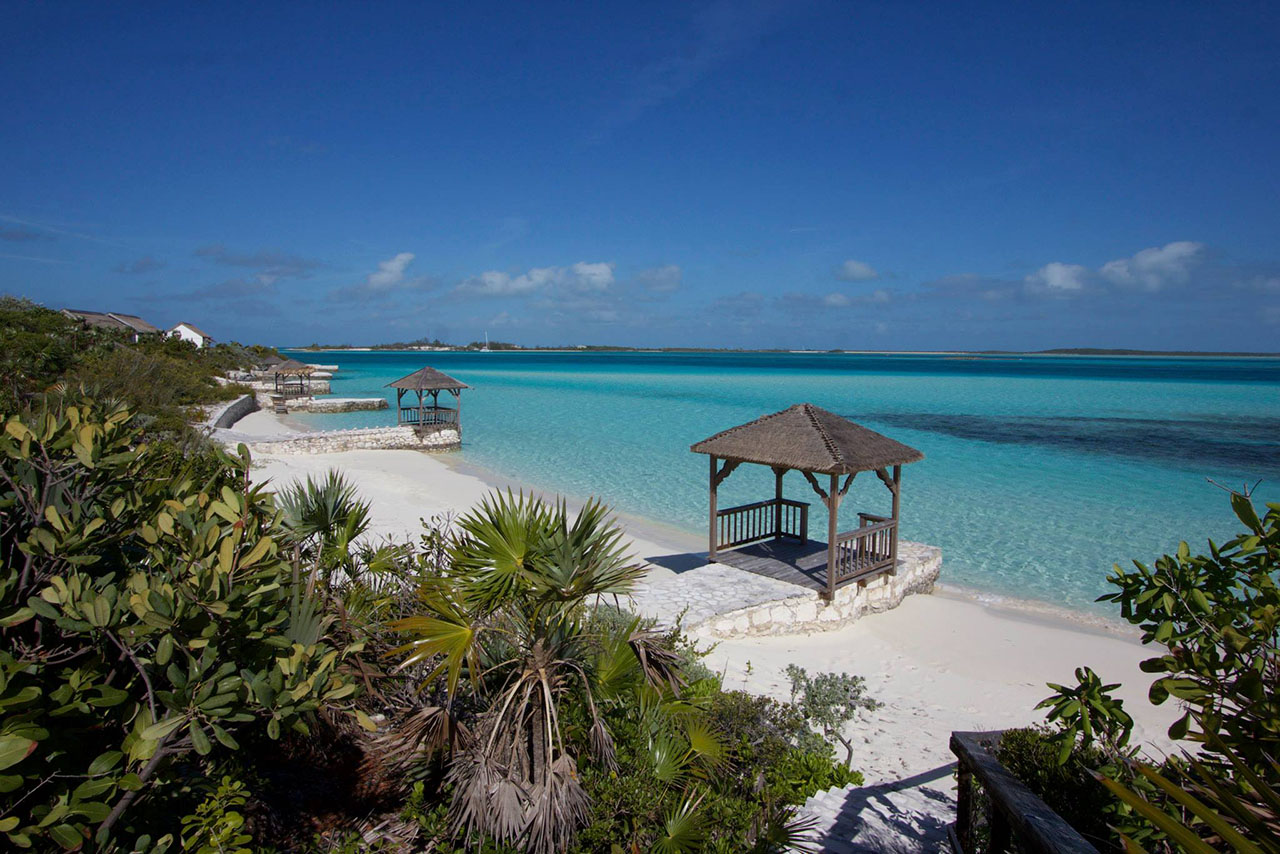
(436, 345)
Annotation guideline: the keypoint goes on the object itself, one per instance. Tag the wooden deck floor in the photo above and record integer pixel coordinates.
(785, 560)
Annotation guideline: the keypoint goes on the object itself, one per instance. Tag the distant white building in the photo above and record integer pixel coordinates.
(187, 332)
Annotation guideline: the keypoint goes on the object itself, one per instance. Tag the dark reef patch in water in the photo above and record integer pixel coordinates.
(1250, 444)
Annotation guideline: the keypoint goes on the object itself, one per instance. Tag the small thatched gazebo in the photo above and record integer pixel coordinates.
(429, 381)
(292, 378)
(771, 537)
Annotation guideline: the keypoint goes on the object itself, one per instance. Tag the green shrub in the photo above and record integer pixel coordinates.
(149, 621)
(216, 827)
(38, 347)
(1032, 755)
(1218, 618)
(829, 701)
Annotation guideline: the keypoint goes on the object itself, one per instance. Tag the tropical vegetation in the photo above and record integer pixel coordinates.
(162, 380)
(1215, 620)
(193, 661)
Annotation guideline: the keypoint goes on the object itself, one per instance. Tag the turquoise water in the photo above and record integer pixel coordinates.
(1040, 472)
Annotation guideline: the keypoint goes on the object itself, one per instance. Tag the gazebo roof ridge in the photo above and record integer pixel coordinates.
(427, 379)
(808, 409)
(291, 366)
(808, 438)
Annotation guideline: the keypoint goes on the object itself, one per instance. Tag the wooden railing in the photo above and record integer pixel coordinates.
(763, 520)
(1016, 814)
(867, 549)
(428, 415)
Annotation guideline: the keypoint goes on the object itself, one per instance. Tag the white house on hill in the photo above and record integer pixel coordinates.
(187, 332)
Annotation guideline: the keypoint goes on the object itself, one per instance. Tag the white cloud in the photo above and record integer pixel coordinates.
(390, 272)
(592, 277)
(390, 278)
(856, 271)
(662, 280)
(1059, 278)
(836, 299)
(582, 277)
(1155, 268)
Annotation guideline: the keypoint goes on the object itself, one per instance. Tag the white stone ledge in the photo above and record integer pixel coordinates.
(358, 439)
(718, 602)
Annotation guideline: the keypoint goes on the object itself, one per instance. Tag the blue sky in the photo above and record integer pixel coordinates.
(821, 174)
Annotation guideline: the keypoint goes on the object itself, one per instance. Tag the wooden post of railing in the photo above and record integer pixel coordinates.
(711, 551)
(997, 833)
(893, 541)
(777, 497)
(964, 807)
(833, 549)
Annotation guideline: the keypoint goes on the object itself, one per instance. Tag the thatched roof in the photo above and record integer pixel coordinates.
(808, 438)
(291, 367)
(428, 379)
(196, 329)
(137, 324)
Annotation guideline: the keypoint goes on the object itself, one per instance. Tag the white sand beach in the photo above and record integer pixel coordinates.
(938, 663)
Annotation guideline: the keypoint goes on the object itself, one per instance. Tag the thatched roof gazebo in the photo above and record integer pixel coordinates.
(292, 378)
(429, 381)
(771, 537)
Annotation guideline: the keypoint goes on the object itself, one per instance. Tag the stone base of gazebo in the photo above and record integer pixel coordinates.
(721, 601)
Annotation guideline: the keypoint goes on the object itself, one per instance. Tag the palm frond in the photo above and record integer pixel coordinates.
(497, 545)
(659, 662)
(704, 742)
(317, 509)
(426, 732)
(455, 640)
(557, 808)
(782, 829)
(669, 755)
(682, 830)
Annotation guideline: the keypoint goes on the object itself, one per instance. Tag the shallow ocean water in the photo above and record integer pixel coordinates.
(1040, 471)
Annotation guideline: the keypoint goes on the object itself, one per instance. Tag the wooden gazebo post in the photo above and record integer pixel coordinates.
(893, 541)
(833, 532)
(711, 551)
(778, 472)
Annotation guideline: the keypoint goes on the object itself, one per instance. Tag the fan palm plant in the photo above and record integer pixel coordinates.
(324, 518)
(512, 614)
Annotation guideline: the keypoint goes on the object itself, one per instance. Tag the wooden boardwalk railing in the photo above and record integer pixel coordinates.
(763, 520)
(867, 549)
(427, 416)
(1016, 816)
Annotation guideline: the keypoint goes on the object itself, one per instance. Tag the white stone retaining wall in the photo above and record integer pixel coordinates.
(230, 413)
(339, 404)
(370, 438)
(918, 568)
